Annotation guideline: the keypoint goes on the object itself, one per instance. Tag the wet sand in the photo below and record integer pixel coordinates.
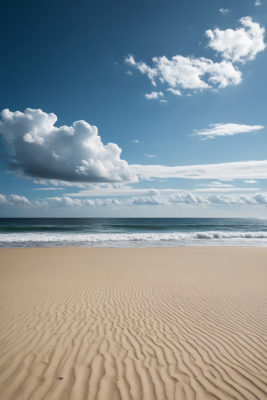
(161, 323)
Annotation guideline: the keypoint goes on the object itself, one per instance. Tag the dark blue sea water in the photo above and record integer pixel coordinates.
(132, 232)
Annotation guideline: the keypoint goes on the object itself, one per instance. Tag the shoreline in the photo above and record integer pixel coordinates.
(133, 323)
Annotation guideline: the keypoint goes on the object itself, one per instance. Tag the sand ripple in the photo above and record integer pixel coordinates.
(133, 324)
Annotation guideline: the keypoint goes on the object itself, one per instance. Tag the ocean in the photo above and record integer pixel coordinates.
(132, 232)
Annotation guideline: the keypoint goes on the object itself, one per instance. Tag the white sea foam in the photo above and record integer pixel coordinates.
(130, 237)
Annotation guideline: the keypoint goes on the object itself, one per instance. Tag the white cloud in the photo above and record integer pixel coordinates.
(123, 191)
(74, 154)
(129, 73)
(216, 130)
(154, 95)
(224, 11)
(187, 72)
(238, 45)
(149, 155)
(163, 101)
(143, 68)
(226, 189)
(188, 198)
(135, 141)
(14, 200)
(154, 198)
(152, 201)
(191, 73)
(219, 185)
(234, 170)
(40, 182)
(251, 181)
(257, 3)
(49, 188)
(175, 91)
(63, 202)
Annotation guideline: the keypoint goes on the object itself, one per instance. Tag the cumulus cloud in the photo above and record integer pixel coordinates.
(238, 45)
(63, 202)
(187, 198)
(251, 181)
(14, 200)
(188, 72)
(228, 171)
(129, 73)
(153, 198)
(216, 130)
(151, 201)
(75, 154)
(224, 11)
(154, 95)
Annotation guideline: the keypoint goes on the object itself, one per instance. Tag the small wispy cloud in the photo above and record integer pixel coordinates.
(129, 73)
(154, 95)
(135, 141)
(216, 130)
(49, 188)
(175, 91)
(224, 10)
(257, 3)
(149, 155)
(251, 181)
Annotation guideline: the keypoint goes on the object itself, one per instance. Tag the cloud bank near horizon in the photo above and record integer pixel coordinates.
(154, 200)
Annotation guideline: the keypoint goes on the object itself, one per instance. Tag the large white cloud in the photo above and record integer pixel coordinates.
(189, 72)
(76, 154)
(216, 130)
(234, 170)
(241, 44)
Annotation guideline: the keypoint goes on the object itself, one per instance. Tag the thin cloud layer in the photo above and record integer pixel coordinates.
(229, 171)
(238, 45)
(70, 153)
(216, 130)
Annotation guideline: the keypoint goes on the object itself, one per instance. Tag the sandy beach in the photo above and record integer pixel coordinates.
(162, 323)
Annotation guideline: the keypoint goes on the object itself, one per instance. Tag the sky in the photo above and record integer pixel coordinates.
(133, 108)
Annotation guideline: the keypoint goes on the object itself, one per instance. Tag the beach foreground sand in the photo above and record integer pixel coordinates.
(183, 323)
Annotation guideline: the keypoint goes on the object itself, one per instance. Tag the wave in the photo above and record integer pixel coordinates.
(129, 237)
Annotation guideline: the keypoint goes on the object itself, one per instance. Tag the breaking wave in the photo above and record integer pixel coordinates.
(217, 238)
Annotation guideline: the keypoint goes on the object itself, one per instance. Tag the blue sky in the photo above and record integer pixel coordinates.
(177, 88)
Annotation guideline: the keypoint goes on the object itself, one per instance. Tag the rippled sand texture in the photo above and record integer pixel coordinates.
(185, 323)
